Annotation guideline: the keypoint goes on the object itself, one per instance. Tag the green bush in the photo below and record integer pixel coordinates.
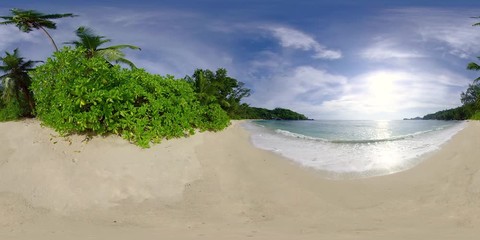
(79, 95)
(476, 116)
(12, 110)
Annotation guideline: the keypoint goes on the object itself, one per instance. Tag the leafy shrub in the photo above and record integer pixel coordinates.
(476, 116)
(212, 117)
(79, 95)
(12, 110)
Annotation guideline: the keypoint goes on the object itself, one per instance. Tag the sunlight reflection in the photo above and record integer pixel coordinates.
(385, 155)
(382, 131)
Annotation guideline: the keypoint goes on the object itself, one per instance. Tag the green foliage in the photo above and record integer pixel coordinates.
(91, 42)
(12, 110)
(218, 88)
(460, 113)
(476, 116)
(16, 82)
(472, 95)
(287, 114)
(212, 117)
(247, 112)
(27, 20)
(76, 94)
(227, 92)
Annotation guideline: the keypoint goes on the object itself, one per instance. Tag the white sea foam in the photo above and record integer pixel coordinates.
(356, 158)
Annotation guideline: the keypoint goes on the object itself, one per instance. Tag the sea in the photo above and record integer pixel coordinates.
(353, 149)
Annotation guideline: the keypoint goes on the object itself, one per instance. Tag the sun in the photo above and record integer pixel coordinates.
(382, 95)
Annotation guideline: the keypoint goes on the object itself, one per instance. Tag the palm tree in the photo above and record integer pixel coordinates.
(27, 20)
(16, 80)
(474, 66)
(92, 43)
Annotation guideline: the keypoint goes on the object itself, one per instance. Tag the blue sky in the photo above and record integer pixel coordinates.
(327, 59)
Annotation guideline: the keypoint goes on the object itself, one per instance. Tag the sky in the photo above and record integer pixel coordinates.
(359, 60)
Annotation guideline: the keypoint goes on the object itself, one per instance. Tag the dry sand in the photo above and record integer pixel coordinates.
(218, 186)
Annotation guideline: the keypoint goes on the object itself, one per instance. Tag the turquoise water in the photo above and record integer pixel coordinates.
(353, 149)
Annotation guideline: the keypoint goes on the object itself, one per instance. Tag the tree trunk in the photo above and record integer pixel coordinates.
(50, 37)
(28, 98)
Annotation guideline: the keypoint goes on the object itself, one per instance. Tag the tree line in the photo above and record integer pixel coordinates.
(217, 87)
(82, 88)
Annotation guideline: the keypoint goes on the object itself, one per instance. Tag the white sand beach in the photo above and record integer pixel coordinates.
(218, 186)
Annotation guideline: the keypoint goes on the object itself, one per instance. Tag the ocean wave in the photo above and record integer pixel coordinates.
(354, 141)
(358, 160)
(298, 135)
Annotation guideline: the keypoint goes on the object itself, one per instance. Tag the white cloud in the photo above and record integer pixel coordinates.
(291, 38)
(297, 88)
(11, 35)
(388, 49)
(450, 27)
(394, 94)
(378, 94)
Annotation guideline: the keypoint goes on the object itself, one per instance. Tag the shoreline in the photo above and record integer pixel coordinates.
(294, 151)
(218, 185)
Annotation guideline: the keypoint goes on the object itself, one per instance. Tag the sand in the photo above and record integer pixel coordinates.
(218, 186)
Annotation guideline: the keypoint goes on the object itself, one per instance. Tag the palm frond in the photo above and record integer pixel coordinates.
(88, 39)
(111, 55)
(476, 24)
(75, 43)
(127, 62)
(8, 22)
(122, 46)
(92, 42)
(57, 16)
(28, 65)
(84, 31)
(44, 23)
(473, 66)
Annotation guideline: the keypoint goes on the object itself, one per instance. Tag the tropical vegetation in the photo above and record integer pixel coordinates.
(91, 43)
(16, 95)
(247, 112)
(217, 87)
(27, 20)
(82, 89)
(76, 94)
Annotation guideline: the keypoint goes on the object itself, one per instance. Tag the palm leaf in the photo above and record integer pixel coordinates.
(57, 16)
(111, 54)
(476, 24)
(84, 31)
(122, 46)
(91, 42)
(8, 22)
(126, 61)
(473, 66)
(87, 39)
(27, 20)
